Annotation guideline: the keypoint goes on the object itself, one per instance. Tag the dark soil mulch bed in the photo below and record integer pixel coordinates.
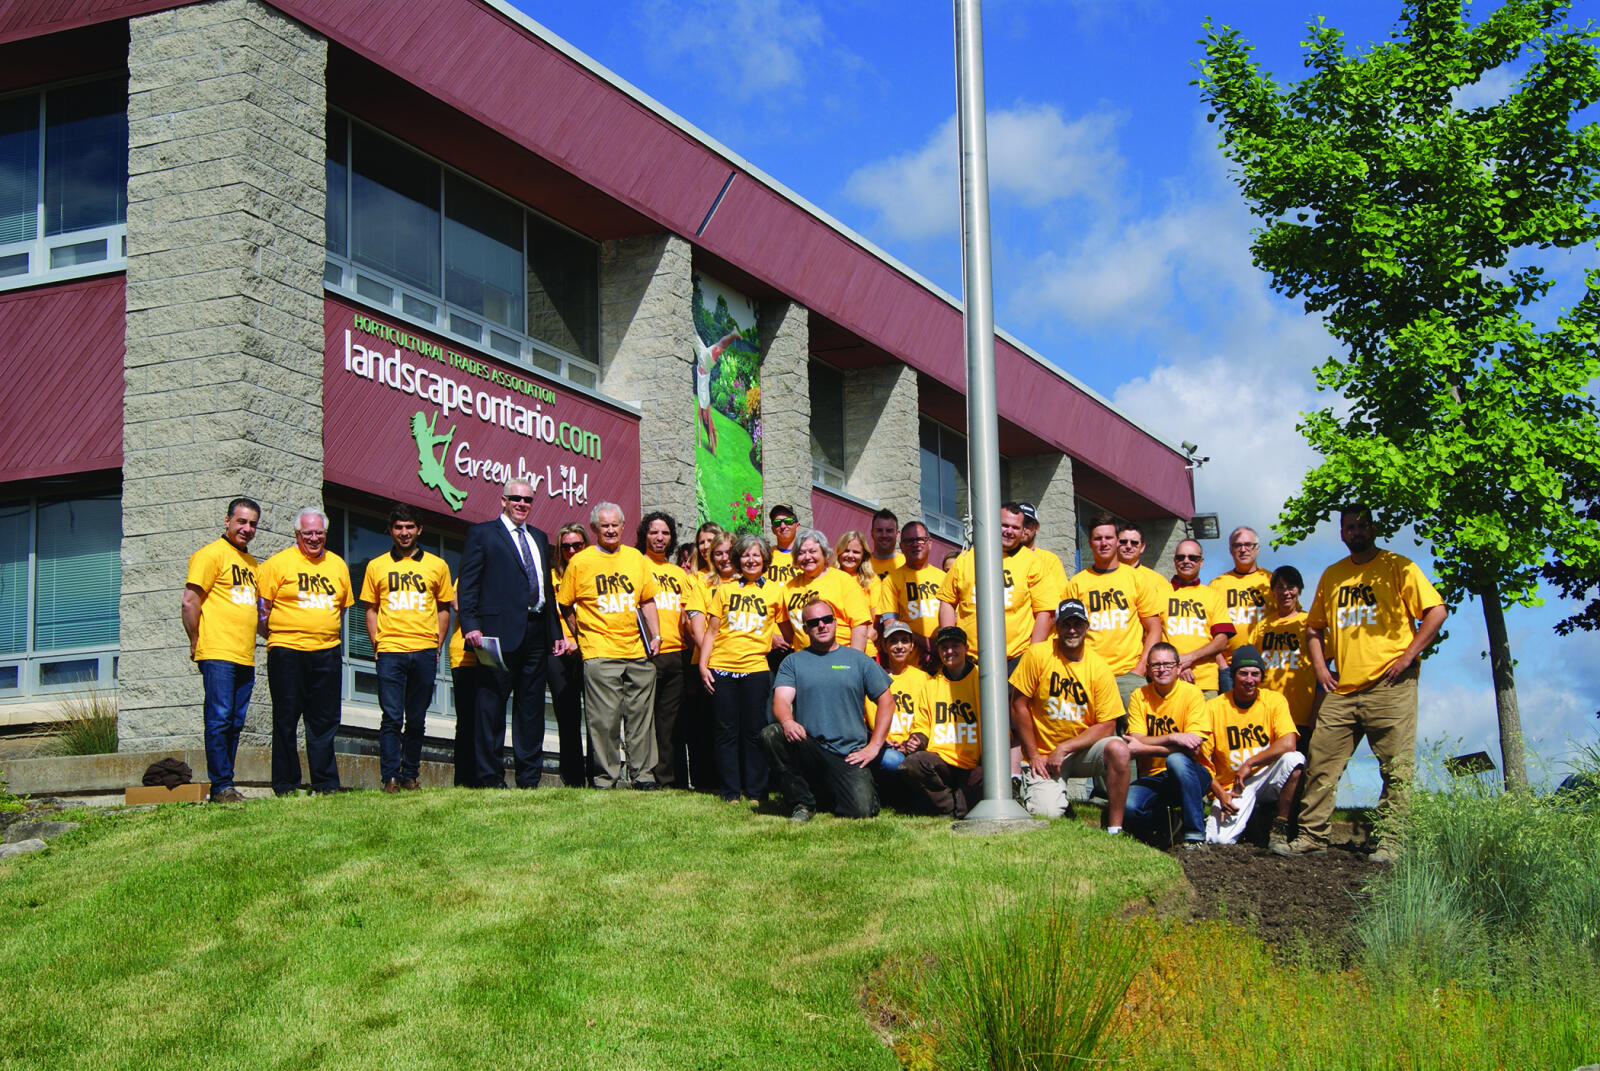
(1304, 902)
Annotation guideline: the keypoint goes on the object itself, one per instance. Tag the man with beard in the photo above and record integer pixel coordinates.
(1374, 612)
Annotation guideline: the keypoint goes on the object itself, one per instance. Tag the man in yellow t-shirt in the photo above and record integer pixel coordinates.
(681, 612)
(1027, 594)
(1064, 709)
(1194, 619)
(885, 534)
(1244, 590)
(219, 614)
(1167, 728)
(608, 598)
(1124, 616)
(911, 591)
(1251, 750)
(1050, 567)
(1281, 639)
(408, 595)
(302, 592)
(785, 526)
(946, 742)
(1130, 552)
(1374, 612)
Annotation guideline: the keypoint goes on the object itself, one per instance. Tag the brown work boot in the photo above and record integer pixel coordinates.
(1301, 845)
(391, 786)
(411, 785)
(1278, 839)
(227, 795)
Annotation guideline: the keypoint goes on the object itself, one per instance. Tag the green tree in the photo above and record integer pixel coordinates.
(1412, 223)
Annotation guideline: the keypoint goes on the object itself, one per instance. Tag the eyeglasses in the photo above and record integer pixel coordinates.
(913, 539)
(1244, 546)
(1188, 557)
(1163, 665)
(1130, 542)
(816, 622)
(517, 498)
(313, 532)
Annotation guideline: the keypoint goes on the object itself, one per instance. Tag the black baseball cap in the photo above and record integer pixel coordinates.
(1029, 511)
(782, 511)
(951, 632)
(1068, 609)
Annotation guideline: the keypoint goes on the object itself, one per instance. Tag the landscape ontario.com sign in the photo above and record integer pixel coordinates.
(411, 417)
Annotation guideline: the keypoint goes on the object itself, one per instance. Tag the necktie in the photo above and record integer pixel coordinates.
(530, 569)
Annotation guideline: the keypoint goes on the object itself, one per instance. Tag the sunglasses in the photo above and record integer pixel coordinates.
(784, 522)
(573, 546)
(814, 622)
(1188, 557)
(1130, 542)
(518, 498)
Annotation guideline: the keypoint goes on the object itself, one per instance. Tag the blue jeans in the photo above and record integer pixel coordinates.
(405, 688)
(228, 686)
(1182, 785)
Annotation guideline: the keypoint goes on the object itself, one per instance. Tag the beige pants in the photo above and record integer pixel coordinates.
(1386, 714)
(619, 696)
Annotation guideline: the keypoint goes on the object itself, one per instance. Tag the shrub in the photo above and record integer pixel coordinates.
(90, 726)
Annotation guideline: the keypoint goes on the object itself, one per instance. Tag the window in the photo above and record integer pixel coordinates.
(945, 505)
(827, 426)
(63, 182)
(60, 581)
(430, 245)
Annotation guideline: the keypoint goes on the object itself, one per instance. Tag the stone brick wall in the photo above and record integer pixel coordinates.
(1046, 481)
(1161, 539)
(785, 407)
(646, 357)
(223, 391)
(882, 458)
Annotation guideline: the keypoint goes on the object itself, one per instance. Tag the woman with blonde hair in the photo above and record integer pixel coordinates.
(742, 615)
(852, 555)
(705, 537)
(852, 610)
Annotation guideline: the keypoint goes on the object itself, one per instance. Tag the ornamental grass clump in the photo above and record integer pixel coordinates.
(1031, 982)
(1492, 888)
(89, 725)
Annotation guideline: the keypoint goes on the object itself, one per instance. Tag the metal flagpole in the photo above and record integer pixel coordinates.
(983, 425)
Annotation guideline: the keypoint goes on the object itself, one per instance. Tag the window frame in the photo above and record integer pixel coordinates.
(42, 249)
(431, 311)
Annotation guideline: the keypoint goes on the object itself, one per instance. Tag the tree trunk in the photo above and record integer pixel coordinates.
(1512, 761)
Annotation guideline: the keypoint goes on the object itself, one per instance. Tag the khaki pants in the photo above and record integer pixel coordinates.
(1386, 714)
(619, 696)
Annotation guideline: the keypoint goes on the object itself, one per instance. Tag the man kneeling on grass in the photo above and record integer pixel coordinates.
(818, 747)
(1251, 747)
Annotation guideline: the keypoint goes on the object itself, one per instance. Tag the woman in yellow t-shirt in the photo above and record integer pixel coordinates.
(813, 577)
(743, 616)
(566, 677)
(705, 537)
(851, 557)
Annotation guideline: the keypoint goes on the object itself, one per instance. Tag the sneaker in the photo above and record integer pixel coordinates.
(391, 787)
(1194, 845)
(802, 814)
(227, 795)
(1301, 845)
(1278, 839)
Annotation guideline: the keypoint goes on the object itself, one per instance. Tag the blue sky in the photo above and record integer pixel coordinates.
(1121, 249)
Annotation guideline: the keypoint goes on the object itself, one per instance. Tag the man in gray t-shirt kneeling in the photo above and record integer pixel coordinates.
(818, 747)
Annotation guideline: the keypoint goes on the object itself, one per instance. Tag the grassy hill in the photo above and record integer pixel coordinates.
(449, 928)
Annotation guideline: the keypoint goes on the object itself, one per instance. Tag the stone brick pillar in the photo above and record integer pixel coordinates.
(785, 407)
(1046, 481)
(1161, 538)
(882, 455)
(646, 357)
(227, 105)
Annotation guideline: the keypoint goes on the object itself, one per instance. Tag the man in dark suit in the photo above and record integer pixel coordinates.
(505, 593)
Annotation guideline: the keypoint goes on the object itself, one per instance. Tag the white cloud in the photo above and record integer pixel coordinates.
(1492, 88)
(1037, 157)
(739, 48)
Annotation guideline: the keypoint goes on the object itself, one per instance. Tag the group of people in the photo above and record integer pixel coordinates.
(843, 674)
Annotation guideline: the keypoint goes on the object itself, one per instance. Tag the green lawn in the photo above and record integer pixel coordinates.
(449, 928)
(726, 476)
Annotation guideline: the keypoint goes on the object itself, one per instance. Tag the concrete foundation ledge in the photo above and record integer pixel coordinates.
(88, 775)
